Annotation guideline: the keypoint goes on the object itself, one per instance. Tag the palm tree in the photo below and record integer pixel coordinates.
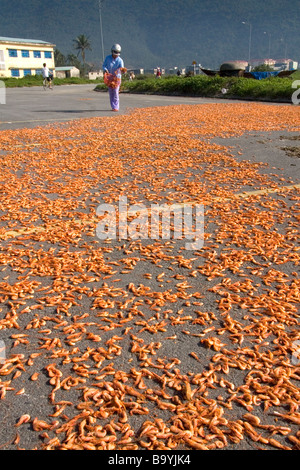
(81, 44)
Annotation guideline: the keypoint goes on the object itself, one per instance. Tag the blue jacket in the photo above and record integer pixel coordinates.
(111, 65)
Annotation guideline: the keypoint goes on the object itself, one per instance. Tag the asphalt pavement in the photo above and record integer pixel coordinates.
(144, 323)
(33, 106)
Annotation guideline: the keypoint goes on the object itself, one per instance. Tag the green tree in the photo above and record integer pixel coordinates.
(73, 60)
(59, 58)
(82, 44)
(263, 68)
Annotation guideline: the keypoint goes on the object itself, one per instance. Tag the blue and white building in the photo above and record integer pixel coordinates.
(21, 57)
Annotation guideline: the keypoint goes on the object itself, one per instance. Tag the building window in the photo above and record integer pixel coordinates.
(27, 72)
(37, 54)
(12, 52)
(38, 71)
(25, 53)
(15, 73)
(48, 55)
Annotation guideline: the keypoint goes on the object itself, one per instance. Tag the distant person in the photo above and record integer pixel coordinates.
(131, 76)
(47, 75)
(158, 73)
(113, 67)
(178, 73)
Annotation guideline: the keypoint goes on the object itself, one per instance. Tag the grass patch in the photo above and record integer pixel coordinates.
(269, 89)
(37, 80)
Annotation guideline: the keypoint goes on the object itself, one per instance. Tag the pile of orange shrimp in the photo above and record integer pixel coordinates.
(140, 344)
(112, 80)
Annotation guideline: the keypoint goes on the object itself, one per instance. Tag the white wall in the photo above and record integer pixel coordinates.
(20, 63)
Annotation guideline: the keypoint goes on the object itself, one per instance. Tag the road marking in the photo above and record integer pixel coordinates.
(243, 195)
(258, 192)
(27, 145)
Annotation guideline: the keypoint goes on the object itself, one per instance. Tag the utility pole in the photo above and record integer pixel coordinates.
(101, 28)
(269, 35)
(250, 39)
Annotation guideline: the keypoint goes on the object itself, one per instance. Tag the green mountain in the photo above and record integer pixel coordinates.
(162, 33)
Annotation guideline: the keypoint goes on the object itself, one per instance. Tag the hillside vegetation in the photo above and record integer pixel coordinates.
(155, 33)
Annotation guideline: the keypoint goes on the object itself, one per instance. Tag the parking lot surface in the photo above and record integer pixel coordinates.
(134, 341)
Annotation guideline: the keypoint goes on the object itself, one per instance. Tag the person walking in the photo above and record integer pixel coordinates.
(113, 67)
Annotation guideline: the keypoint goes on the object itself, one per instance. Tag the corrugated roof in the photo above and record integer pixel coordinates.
(20, 40)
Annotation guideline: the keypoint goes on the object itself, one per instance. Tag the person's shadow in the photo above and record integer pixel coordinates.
(76, 111)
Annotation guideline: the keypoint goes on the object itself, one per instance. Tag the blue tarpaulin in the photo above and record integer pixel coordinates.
(261, 75)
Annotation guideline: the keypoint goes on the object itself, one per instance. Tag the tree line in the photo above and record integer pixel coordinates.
(81, 44)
